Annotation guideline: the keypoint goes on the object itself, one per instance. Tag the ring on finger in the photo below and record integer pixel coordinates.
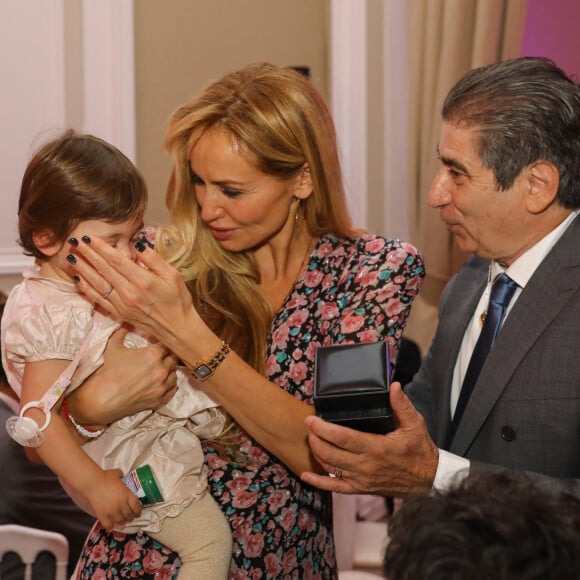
(108, 292)
(336, 472)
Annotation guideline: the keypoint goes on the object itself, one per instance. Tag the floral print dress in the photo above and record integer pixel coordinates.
(357, 290)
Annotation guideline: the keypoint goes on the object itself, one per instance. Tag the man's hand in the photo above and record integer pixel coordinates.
(396, 464)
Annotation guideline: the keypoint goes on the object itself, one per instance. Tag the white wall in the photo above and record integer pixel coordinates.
(369, 94)
(33, 102)
(62, 63)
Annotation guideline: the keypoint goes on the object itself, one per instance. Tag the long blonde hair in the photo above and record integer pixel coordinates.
(281, 122)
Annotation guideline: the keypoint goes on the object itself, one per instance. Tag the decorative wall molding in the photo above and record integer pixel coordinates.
(396, 120)
(348, 84)
(33, 104)
(109, 72)
(33, 68)
(12, 261)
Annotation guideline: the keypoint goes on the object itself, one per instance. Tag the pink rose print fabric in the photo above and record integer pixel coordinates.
(352, 291)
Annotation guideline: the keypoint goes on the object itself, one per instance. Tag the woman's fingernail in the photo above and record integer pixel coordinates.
(145, 241)
(73, 242)
(140, 246)
(86, 239)
(76, 278)
(70, 258)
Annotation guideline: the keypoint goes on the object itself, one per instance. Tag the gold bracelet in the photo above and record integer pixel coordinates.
(204, 369)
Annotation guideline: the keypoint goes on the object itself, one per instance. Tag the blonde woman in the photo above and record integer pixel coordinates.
(274, 270)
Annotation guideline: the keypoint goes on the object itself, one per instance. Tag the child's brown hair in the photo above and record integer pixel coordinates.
(74, 178)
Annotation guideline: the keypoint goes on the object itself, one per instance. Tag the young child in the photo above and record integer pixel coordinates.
(81, 184)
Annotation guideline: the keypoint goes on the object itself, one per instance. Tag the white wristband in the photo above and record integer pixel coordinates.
(90, 434)
(81, 430)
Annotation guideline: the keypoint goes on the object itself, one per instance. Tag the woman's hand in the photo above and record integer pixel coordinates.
(129, 381)
(156, 299)
(153, 298)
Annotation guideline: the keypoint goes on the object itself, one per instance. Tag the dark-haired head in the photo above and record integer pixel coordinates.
(523, 110)
(76, 178)
(501, 525)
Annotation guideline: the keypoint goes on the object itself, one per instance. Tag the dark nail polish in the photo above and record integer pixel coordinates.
(70, 258)
(76, 278)
(73, 242)
(145, 241)
(86, 239)
(140, 246)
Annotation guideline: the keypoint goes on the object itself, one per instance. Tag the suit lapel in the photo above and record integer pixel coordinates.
(545, 295)
(456, 313)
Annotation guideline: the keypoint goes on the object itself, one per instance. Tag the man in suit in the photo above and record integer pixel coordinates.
(31, 495)
(509, 189)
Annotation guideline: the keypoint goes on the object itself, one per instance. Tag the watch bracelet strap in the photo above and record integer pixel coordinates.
(211, 364)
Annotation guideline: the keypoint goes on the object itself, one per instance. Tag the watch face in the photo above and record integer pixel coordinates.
(202, 372)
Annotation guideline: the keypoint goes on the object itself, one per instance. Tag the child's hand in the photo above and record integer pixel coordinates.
(113, 503)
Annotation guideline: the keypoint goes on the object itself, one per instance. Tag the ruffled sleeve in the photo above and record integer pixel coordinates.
(41, 332)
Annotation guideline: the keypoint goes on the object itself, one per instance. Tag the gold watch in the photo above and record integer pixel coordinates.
(203, 370)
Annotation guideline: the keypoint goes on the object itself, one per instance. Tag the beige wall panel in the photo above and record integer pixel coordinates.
(182, 45)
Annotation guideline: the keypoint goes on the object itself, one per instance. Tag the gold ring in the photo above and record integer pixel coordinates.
(108, 292)
(336, 472)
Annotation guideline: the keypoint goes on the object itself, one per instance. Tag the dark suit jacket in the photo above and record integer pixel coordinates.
(31, 495)
(524, 412)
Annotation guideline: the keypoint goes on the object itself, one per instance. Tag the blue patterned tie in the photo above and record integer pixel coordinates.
(501, 293)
